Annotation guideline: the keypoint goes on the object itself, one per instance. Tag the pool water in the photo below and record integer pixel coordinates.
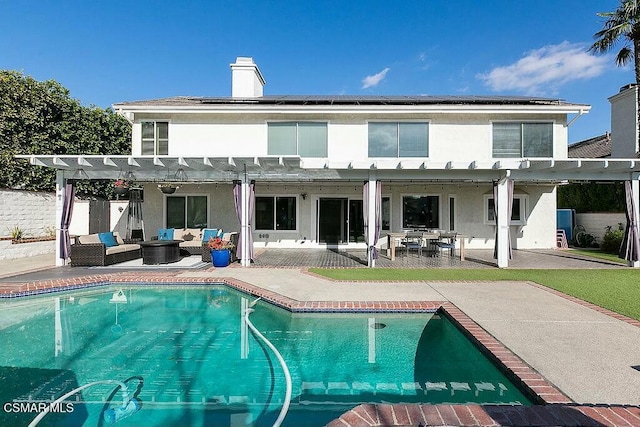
(182, 349)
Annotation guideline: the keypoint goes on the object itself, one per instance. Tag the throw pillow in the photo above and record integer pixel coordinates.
(165, 234)
(187, 237)
(209, 233)
(108, 239)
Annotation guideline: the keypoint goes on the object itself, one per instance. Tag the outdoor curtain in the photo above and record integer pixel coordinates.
(237, 199)
(69, 194)
(630, 247)
(371, 246)
(509, 212)
(252, 203)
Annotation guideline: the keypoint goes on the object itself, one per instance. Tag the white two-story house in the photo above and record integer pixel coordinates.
(304, 166)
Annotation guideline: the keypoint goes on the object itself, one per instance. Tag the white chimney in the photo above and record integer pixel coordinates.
(246, 79)
(624, 122)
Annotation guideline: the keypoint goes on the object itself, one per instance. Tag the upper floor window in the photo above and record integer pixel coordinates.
(306, 139)
(155, 138)
(512, 139)
(398, 139)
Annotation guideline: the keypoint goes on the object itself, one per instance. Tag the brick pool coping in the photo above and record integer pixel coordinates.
(554, 407)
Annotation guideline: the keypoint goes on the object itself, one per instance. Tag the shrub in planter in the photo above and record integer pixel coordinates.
(612, 239)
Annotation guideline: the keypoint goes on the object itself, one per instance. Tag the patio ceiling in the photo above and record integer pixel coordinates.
(293, 168)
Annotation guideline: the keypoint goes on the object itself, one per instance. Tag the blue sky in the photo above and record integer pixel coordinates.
(114, 51)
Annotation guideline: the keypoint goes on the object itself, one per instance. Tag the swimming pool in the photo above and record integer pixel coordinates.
(184, 352)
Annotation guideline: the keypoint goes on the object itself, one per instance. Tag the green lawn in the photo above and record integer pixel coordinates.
(616, 290)
(597, 254)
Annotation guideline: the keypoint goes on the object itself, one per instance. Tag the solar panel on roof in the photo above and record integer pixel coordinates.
(356, 100)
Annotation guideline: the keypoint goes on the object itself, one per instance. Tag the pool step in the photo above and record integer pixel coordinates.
(406, 388)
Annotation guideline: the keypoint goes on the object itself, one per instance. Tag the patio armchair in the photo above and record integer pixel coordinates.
(231, 237)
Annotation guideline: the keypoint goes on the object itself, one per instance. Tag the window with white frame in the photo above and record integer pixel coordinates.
(515, 139)
(275, 213)
(187, 211)
(398, 139)
(518, 210)
(155, 138)
(306, 139)
(420, 212)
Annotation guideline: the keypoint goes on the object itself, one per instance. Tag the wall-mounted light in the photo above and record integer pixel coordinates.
(304, 196)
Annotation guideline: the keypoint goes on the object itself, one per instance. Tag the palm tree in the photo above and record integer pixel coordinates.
(622, 26)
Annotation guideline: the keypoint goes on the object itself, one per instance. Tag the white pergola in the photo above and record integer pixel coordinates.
(295, 169)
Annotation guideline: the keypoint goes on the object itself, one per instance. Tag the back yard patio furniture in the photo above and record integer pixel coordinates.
(160, 251)
(102, 249)
(226, 237)
(192, 240)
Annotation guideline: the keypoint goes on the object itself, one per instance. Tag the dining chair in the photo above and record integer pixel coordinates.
(450, 243)
(413, 241)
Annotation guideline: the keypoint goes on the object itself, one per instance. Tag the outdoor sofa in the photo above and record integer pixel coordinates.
(194, 240)
(100, 249)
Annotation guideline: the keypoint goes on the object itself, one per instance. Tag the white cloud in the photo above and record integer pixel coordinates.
(374, 80)
(546, 69)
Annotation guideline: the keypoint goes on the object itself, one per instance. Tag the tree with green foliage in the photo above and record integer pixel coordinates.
(622, 26)
(592, 197)
(41, 118)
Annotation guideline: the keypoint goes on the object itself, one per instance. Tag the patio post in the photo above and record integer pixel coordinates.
(371, 219)
(244, 195)
(60, 182)
(501, 204)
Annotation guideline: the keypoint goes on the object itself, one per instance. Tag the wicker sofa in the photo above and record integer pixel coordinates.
(89, 250)
(191, 239)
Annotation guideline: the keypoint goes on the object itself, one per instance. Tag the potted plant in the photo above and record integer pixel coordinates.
(120, 187)
(167, 188)
(220, 251)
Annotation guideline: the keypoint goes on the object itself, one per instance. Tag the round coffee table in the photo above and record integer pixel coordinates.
(160, 251)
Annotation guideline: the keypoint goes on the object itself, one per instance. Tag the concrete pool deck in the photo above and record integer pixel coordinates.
(592, 356)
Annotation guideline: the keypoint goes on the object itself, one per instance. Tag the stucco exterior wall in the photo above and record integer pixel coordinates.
(460, 137)
(624, 123)
(470, 216)
(221, 212)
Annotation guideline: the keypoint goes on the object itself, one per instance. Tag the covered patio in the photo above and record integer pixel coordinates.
(369, 176)
(475, 258)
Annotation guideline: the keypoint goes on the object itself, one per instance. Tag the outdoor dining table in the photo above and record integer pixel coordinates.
(394, 237)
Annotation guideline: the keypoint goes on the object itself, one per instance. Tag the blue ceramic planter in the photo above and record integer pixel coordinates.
(221, 257)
